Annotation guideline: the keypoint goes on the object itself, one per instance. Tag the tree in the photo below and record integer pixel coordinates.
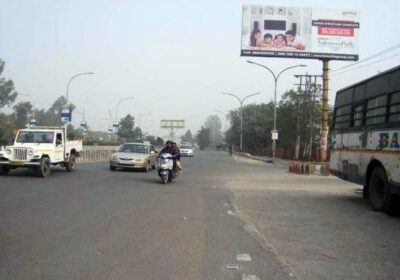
(151, 139)
(52, 116)
(54, 113)
(257, 125)
(137, 133)
(159, 141)
(7, 91)
(213, 123)
(187, 137)
(126, 127)
(203, 137)
(6, 129)
(22, 110)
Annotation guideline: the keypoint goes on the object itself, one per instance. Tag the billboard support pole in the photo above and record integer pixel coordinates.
(325, 110)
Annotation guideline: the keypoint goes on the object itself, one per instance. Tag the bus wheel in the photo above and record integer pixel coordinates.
(379, 196)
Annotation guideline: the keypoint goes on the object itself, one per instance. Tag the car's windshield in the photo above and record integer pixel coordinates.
(134, 148)
(35, 137)
(186, 147)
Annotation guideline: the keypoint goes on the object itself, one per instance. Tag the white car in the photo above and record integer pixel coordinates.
(186, 150)
(134, 156)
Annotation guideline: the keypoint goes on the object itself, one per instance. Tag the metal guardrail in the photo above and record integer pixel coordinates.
(96, 153)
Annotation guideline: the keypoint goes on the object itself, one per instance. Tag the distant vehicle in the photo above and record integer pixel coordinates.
(166, 170)
(39, 148)
(134, 156)
(186, 150)
(221, 147)
(365, 138)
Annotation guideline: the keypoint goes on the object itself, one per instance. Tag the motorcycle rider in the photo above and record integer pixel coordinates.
(178, 155)
(170, 150)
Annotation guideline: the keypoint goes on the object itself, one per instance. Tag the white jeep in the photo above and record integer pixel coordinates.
(39, 148)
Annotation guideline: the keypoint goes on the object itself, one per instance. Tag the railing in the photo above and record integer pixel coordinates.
(96, 153)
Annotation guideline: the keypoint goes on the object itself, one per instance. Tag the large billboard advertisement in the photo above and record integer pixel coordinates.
(314, 33)
(172, 123)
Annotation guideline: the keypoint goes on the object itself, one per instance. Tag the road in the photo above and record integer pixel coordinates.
(265, 222)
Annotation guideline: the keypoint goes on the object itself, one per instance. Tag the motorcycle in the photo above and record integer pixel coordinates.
(165, 167)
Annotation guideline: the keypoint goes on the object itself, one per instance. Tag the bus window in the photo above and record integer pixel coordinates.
(358, 115)
(394, 112)
(344, 97)
(377, 86)
(343, 117)
(376, 110)
(394, 81)
(359, 93)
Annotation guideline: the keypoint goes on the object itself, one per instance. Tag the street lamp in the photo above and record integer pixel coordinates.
(119, 102)
(110, 117)
(73, 77)
(276, 77)
(241, 101)
(84, 108)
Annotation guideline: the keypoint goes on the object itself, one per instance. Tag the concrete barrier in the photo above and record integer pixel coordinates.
(96, 153)
(308, 168)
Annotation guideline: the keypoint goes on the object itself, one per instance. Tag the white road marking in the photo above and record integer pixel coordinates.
(249, 277)
(230, 212)
(243, 258)
(232, 266)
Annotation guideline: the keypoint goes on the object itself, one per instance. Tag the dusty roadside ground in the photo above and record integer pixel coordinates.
(320, 227)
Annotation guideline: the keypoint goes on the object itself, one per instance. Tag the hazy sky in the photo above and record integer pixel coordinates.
(173, 57)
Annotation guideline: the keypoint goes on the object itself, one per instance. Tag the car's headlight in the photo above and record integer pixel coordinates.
(8, 151)
(30, 153)
(114, 157)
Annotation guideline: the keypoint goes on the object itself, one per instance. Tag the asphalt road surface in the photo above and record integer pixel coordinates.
(223, 218)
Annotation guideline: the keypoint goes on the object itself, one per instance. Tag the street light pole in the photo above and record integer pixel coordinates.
(119, 102)
(84, 109)
(110, 116)
(72, 78)
(276, 77)
(241, 101)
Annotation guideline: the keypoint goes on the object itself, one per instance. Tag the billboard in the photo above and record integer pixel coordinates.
(172, 123)
(293, 32)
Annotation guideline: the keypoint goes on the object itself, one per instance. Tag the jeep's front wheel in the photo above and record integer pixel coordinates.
(44, 168)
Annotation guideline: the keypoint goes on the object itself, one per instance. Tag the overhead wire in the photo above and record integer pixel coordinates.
(366, 65)
(368, 58)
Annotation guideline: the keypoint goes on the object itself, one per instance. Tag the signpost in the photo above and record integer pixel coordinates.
(32, 123)
(115, 127)
(172, 125)
(83, 126)
(65, 115)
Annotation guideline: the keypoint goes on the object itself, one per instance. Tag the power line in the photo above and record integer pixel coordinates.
(363, 66)
(368, 58)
